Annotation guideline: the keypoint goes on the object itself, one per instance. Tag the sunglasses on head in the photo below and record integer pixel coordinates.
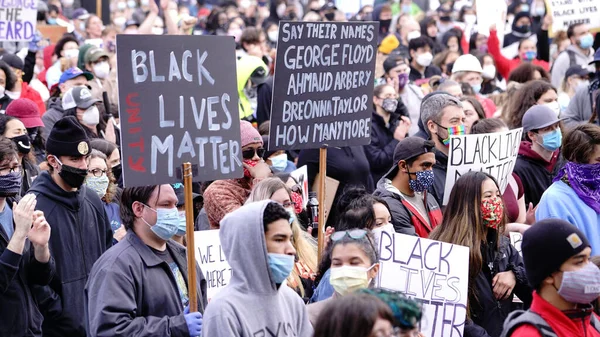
(355, 234)
(249, 153)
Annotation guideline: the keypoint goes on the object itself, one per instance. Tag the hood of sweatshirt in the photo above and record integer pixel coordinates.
(45, 186)
(243, 241)
(48, 52)
(525, 150)
(55, 103)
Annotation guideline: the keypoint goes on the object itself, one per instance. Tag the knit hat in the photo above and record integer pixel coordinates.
(25, 110)
(547, 245)
(249, 134)
(388, 44)
(68, 138)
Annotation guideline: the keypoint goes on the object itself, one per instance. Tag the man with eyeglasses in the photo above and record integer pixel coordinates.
(225, 196)
(80, 227)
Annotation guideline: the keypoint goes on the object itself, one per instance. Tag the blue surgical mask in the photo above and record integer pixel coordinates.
(292, 214)
(51, 21)
(281, 266)
(167, 222)
(476, 87)
(279, 162)
(406, 9)
(181, 227)
(552, 140)
(586, 41)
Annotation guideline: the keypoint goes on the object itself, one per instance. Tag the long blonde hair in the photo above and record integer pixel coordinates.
(305, 245)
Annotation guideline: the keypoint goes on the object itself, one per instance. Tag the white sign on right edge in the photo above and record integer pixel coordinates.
(568, 12)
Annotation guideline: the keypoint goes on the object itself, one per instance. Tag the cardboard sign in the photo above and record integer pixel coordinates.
(18, 20)
(301, 176)
(567, 12)
(211, 259)
(52, 33)
(323, 87)
(515, 239)
(434, 273)
(178, 104)
(491, 12)
(492, 153)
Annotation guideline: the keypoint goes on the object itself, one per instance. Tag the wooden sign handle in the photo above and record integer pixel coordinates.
(189, 235)
(321, 197)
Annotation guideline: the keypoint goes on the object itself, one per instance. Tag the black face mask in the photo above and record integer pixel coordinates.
(23, 144)
(384, 25)
(73, 176)
(524, 29)
(116, 171)
(330, 16)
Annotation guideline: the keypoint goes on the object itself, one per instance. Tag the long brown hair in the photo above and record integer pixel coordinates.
(526, 97)
(463, 223)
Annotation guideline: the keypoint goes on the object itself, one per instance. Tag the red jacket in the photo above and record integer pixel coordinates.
(30, 93)
(562, 325)
(503, 65)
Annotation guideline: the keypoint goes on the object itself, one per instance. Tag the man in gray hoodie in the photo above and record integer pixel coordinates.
(579, 110)
(256, 240)
(580, 52)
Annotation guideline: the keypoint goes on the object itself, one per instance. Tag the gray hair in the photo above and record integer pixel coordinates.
(447, 84)
(432, 107)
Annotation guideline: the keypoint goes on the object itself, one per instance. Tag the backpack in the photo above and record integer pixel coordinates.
(572, 59)
(518, 318)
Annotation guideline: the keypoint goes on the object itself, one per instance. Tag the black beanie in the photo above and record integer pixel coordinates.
(547, 245)
(68, 138)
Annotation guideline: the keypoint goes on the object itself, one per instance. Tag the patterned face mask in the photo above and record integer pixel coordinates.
(492, 211)
(423, 181)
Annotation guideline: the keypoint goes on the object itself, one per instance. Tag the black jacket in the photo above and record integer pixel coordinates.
(439, 180)
(30, 172)
(133, 292)
(19, 314)
(380, 152)
(264, 96)
(487, 312)
(534, 173)
(53, 113)
(429, 72)
(4, 102)
(80, 234)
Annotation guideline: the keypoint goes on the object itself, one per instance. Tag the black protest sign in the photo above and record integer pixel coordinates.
(178, 103)
(323, 88)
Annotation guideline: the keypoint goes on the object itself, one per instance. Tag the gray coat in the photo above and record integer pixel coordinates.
(579, 110)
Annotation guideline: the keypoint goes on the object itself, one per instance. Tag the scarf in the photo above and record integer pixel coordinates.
(584, 179)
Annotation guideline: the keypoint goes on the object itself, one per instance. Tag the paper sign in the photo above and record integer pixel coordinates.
(177, 104)
(211, 259)
(568, 12)
(491, 12)
(434, 273)
(350, 8)
(323, 86)
(515, 239)
(301, 176)
(18, 20)
(492, 153)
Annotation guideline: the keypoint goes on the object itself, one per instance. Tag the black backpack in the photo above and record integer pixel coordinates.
(518, 318)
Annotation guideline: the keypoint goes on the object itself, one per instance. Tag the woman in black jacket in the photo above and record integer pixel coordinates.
(475, 217)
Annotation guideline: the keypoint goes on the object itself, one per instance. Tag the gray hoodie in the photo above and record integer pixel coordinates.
(251, 305)
(562, 63)
(579, 110)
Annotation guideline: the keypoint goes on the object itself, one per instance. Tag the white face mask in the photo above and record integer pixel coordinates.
(144, 2)
(489, 72)
(470, 19)
(554, 106)
(91, 116)
(273, 35)
(1, 91)
(101, 70)
(71, 53)
(119, 21)
(424, 60)
(158, 30)
(413, 35)
(67, 3)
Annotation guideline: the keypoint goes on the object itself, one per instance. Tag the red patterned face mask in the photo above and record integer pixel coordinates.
(492, 211)
(250, 163)
(297, 199)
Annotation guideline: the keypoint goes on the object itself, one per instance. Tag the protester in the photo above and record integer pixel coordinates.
(24, 256)
(528, 72)
(256, 240)
(536, 164)
(467, 69)
(493, 82)
(79, 223)
(580, 52)
(521, 29)
(580, 110)
(421, 57)
(21, 88)
(278, 159)
(531, 94)
(405, 188)
(113, 157)
(557, 262)
(574, 195)
(66, 49)
(148, 271)
(97, 63)
(7, 81)
(575, 77)
(407, 312)
(473, 112)
(475, 218)
(80, 103)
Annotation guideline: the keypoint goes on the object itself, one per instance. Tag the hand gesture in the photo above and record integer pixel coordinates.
(120, 233)
(402, 128)
(153, 7)
(492, 27)
(503, 284)
(110, 134)
(23, 214)
(548, 21)
(328, 232)
(40, 233)
(394, 82)
(261, 170)
(164, 4)
(530, 218)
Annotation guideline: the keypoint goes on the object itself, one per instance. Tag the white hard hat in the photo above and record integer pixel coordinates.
(467, 62)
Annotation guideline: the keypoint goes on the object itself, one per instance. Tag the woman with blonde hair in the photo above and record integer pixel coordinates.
(303, 275)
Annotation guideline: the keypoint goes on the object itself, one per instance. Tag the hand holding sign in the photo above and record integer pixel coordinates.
(504, 284)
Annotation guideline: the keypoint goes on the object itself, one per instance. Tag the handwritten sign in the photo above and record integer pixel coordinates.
(323, 86)
(492, 153)
(515, 239)
(434, 273)
(18, 20)
(567, 12)
(211, 259)
(177, 104)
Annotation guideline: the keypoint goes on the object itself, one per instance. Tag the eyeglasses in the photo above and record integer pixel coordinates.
(288, 204)
(249, 153)
(355, 234)
(397, 332)
(97, 172)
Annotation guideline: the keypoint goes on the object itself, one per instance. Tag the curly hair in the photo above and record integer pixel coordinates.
(526, 97)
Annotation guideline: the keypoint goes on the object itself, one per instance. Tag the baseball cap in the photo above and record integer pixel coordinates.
(412, 147)
(259, 76)
(179, 189)
(578, 71)
(596, 56)
(80, 97)
(71, 73)
(94, 54)
(13, 61)
(328, 5)
(80, 14)
(392, 62)
(538, 117)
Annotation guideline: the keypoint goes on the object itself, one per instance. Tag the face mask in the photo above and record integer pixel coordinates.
(82, 26)
(582, 84)
(389, 105)
(489, 72)
(483, 49)
(250, 163)
(554, 106)
(581, 286)
(51, 21)
(167, 220)
(279, 162)
(71, 53)
(236, 33)
(116, 171)
(23, 144)
(524, 29)
(406, 9)
(476, 87)
(10, 184)
(91, 116)
(586, 41)
(424, 60)
(413, 35)
(539, 11)
(101, 70)
(73, 176)
(529, 55)
(384, 25)
(131, 4)
(492, 212)
(388, 228)
(402, 81)
(67, 3)
(524, 8)
(348, 279)
(292, 214)
(551, 141)
(98, 184)
(452, 131)
(120, 21)
(470, 19)
(181, 226)
(121, 6)
(1, 91)
(144, 2)
(158, 30)
(273, 35)
(330, 16)
(423, 181)
(281, 266)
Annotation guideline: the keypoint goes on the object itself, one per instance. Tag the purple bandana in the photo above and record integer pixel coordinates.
(585, 181)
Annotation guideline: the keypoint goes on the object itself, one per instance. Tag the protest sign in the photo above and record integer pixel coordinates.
(515, 239)
(567, 12)
(350, 8)
(434, 273)
(492, 153)
(178, 103)
(301, 176)
(18, 20)
(211, 259)
(323, 87)
(491, 12)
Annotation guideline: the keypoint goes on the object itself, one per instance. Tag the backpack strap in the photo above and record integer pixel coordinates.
(518, 318)
(572, 58)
